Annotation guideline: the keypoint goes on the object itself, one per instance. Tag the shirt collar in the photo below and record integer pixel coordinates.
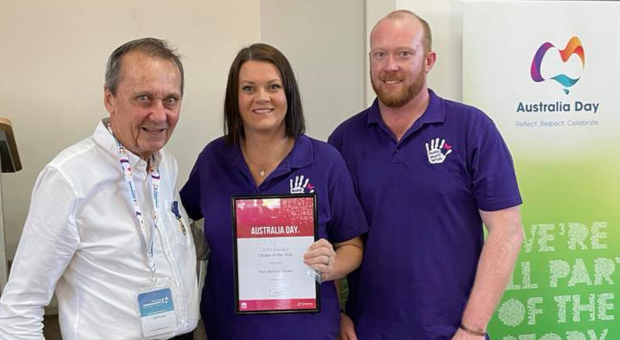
(435, 111)
(301, 155)
(106, 140)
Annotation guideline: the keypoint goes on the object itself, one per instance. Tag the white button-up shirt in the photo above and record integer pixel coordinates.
(82, 239)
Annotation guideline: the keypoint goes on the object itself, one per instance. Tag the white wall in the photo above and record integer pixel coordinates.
(52, 68)
(324, 42)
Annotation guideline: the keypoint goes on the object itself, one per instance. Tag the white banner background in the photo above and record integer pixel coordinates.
(567, 282)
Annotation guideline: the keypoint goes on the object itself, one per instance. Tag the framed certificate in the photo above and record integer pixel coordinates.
(271, 233)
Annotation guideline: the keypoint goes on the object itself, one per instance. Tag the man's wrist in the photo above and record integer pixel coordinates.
(472, 331)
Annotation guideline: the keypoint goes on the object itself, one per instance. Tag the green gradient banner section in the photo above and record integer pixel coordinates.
(566, 284)
(566, 281)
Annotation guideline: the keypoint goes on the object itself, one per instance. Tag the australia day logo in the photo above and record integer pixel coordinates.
(573, 47)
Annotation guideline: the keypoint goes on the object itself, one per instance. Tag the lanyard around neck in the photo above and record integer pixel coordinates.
(133, 197)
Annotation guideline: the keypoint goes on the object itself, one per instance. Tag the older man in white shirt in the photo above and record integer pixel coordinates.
(105, 228)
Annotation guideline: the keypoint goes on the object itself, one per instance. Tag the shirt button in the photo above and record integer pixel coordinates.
(396, 151)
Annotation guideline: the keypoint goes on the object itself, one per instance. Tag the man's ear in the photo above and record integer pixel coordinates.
(109, 100)
(429, 61)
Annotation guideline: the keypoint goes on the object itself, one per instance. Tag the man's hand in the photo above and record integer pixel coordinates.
(459, 335)
(347, 329)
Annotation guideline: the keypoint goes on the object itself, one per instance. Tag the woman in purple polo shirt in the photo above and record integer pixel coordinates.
(265, 151)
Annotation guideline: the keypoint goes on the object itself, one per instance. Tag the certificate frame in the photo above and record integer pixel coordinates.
(259, 222)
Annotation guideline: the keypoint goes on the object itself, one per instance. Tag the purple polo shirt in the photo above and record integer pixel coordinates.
(221, 172)
(421, 198)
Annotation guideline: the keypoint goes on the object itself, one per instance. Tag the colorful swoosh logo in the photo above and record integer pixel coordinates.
(573, 47)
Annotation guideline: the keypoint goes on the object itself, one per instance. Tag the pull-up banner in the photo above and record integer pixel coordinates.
(548, 74)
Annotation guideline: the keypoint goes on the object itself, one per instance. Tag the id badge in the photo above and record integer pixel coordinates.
(157, 313)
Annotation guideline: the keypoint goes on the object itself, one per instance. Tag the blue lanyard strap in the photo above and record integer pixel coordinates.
(155, 179)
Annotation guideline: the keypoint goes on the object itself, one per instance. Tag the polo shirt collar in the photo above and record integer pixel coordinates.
(435, 112)
(301, 155)
(106, 140)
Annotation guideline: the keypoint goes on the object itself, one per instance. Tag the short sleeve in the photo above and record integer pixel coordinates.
(190, 193)
(493, 175)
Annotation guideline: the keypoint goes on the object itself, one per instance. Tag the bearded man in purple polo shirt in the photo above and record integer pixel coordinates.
(429, 174)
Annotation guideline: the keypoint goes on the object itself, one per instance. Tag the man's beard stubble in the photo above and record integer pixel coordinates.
(402, 97)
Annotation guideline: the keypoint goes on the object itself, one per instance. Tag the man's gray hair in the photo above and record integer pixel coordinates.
(152, 47)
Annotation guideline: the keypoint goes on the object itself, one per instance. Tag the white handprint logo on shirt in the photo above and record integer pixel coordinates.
(434, 152)
(300, 186)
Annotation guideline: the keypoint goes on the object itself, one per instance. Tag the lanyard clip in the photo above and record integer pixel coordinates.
(175, 210)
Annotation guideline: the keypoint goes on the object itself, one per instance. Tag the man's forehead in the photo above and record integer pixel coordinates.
(141, 68)
(146, 88)
(388, 31)
(141, 61)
